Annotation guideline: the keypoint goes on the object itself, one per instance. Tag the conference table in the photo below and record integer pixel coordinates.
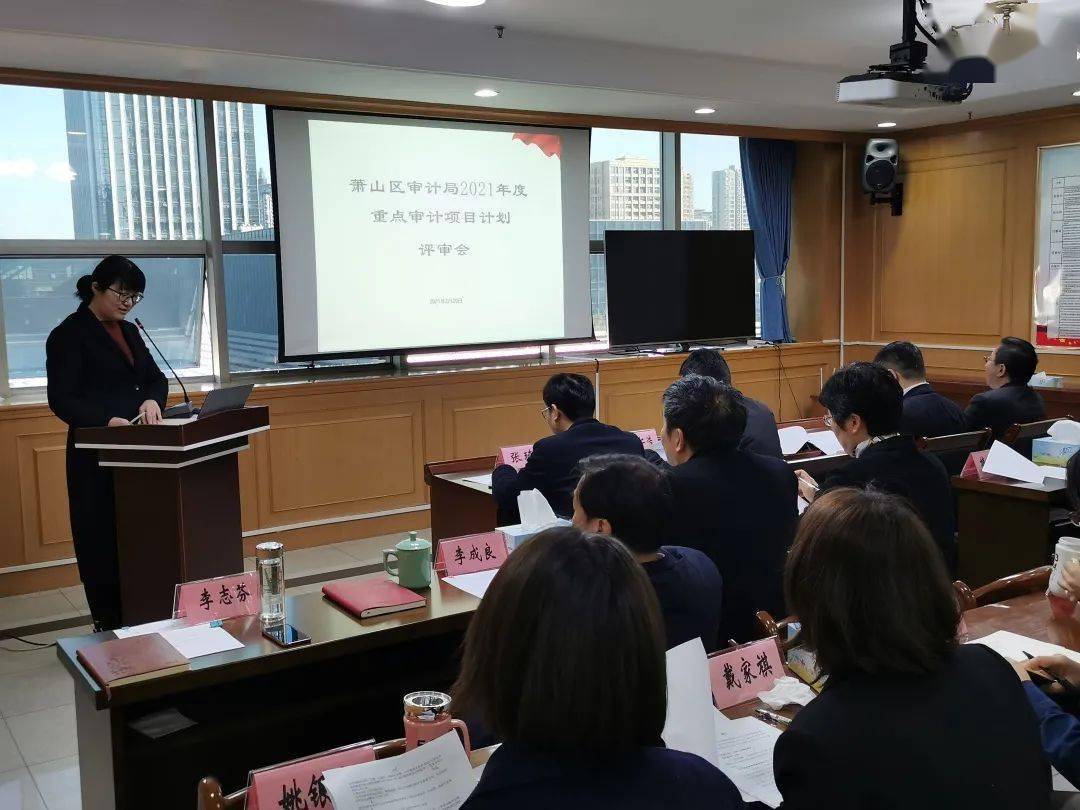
(1003, 527)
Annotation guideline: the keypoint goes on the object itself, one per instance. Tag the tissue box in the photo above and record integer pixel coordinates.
(518, 534)
(1052, 452)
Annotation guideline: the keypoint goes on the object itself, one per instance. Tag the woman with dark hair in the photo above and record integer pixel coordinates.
(564, 661)
(908, 717)
(100, 373)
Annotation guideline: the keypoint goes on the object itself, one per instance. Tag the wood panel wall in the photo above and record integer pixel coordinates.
(350, 454)
(955, 272)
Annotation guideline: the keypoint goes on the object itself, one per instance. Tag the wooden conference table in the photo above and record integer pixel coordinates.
(1003, 528)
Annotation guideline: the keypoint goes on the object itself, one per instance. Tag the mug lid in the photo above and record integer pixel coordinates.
(431, 704)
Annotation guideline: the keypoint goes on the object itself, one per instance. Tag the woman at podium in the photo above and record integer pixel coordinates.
(100, 373)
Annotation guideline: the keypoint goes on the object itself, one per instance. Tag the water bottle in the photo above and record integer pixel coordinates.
(270, 559)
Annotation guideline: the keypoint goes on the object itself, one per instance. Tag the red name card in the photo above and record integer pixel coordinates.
(515, 456)
(740, 673)
(973, 468)
(300, 783)
(471, 553)
(649, 439)
(218, 598)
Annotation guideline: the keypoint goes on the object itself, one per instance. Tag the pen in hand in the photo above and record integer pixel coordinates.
(1062, 682)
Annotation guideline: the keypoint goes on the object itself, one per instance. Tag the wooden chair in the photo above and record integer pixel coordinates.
(770, 627)
(1034, 581)
(211, 797)
(971, 442)
(1030, 430)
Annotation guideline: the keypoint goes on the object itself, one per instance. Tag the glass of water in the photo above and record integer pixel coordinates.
(270, 560)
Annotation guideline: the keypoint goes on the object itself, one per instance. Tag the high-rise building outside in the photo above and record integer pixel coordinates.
(729, 200)
(135, 161)
(630, 189)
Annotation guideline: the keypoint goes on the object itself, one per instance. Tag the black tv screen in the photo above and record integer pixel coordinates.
(679, 286)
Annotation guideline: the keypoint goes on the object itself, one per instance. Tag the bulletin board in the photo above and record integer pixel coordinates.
(1057, 252)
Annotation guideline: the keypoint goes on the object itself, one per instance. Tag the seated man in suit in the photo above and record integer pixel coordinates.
(926, 413)
(629, 498)
(761, 435)
(552, 467)
(737, 507)
(1010, 399)
(864, 403)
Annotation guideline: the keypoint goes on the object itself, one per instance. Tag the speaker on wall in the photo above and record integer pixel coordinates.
(880, 168)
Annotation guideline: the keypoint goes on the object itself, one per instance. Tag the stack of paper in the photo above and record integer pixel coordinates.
(1004, 461)
(742, 749)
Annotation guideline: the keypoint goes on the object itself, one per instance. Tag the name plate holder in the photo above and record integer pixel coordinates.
(225, 597)
(649, 439)
(299, 783)
(516, 456)
(738, 674)
(973, 468)
(471, 553)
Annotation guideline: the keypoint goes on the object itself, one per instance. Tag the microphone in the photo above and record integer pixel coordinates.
(186, 409)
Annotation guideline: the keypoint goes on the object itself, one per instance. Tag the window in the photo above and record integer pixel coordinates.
(625, 195)
(243, 157)
(713, 197)
(94, 165)
(38, 293)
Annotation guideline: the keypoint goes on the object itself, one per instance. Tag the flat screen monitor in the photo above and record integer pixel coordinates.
(679, 287)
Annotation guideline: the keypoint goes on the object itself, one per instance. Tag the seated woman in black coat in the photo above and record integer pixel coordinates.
(908, 718)
(564, 661)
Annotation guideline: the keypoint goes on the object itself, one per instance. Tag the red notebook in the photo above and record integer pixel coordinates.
(372, 597)
(128, 660)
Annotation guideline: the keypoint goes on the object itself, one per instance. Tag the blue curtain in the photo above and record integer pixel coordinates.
(768, 169)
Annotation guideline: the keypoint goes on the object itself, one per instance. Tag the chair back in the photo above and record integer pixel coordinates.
(211, 797)
(810, 425)
(1029, 430)
(768, 626)
(1034, 581)
(971, 442)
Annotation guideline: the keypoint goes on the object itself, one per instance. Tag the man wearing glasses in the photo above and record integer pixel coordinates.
(100, 373)
(552, 468)
(1010, 399)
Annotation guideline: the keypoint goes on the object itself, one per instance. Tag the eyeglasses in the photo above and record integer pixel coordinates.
(829, 421)
(131, 299)
(544, 413)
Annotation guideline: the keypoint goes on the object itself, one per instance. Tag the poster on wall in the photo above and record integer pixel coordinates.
(1057, 254)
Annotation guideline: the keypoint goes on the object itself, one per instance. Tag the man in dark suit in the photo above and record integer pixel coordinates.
(736, 506)
(1010, 399)
(761, 435)
(864, 403)
(552, 468)
(926, 413)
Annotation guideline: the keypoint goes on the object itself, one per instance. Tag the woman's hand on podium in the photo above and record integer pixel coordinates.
(150, 412)
(118, 421)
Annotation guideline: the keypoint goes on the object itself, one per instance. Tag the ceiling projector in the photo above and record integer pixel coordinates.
(904, 80)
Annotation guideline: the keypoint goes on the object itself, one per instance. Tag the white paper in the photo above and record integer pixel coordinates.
(476, 583)
(1060, 782)
(1013, 646)
(482, 480)
(1004, 461)
(658, 448)
(534, 509)
(801, 503)
(826, 442)
(150, 627)
(1065, 430)
(436, 776)
(744, 750)
(178, 420)
(192, 642)
(1059, 473)
(792, 439)
(689, 725)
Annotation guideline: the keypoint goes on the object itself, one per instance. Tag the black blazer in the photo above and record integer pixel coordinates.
(761, 435)
(523, 779)
(964, 737)
(1001, 408)
(927, 413)
(896, 465)
(91, 381)
(740, 509)
(552, 467)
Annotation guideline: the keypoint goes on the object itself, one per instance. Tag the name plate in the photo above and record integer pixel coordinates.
(739, 674)
(515, 456)
(300, 783)
(649, 439)
(471, 553)
(218, 598)
(973, 468)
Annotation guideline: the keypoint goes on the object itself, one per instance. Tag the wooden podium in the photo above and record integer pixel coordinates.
(177, 503)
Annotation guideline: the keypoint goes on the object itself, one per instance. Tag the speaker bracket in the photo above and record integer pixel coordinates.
(895, 198)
